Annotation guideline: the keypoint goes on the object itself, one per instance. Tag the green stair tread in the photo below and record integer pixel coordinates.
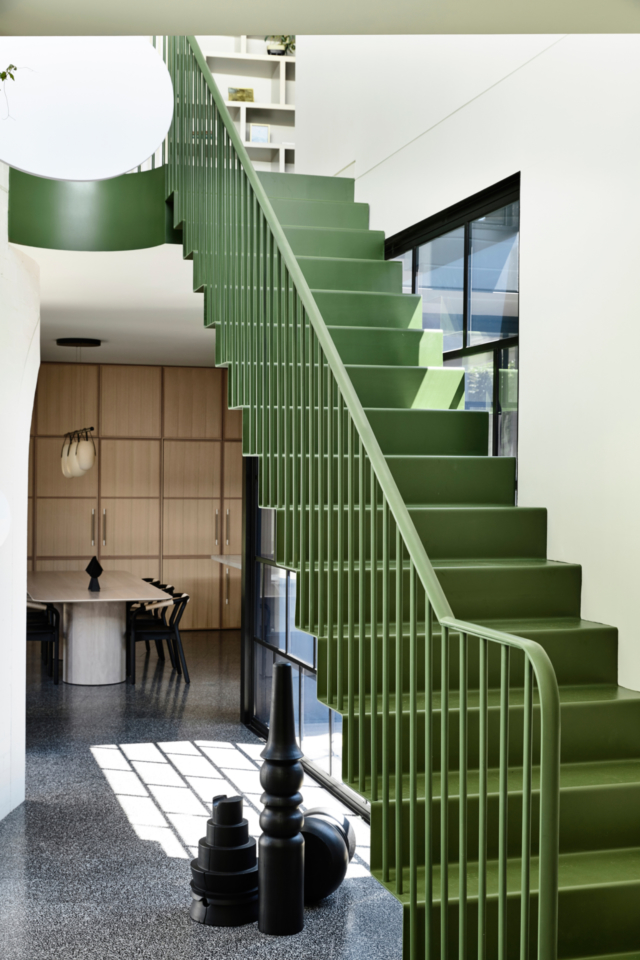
(306, 186)
(598, 868)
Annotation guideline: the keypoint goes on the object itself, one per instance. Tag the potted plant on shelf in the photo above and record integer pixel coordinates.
(281, 46)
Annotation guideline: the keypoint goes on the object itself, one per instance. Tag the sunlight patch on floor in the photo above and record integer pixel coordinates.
(165, 791)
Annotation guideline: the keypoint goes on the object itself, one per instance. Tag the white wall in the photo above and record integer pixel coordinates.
(429, 121)
(19, 362)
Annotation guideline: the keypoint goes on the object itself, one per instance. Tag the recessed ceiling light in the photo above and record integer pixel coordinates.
(78, 342)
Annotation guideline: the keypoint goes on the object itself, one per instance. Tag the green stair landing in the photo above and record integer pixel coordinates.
(491, 559)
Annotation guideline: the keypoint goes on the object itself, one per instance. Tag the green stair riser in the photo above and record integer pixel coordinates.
(333, 242)
(454, 480)
(321, 213)
(404, 348)
(354, 309)
(430, 388)
(374, 276)
(430, 432)
(303, 187)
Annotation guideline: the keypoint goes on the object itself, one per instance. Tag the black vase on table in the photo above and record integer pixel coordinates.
(94, 570)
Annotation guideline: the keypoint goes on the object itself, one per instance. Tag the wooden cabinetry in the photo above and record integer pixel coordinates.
(193, 402)
(192, 468)
(129, 528)
(231, 527)
(231, 598)
(189, 528)
(201, 580)
(66, 527)
(67, 398)
(130, 401)
(232, 470)
(168, 468)
(130, 468)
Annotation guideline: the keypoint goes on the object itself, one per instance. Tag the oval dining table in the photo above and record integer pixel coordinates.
(93, 624)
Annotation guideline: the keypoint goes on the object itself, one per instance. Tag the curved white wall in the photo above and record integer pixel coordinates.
(19, 362)
(428, 121)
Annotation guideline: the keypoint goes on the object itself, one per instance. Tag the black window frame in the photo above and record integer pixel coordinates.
(461, 215)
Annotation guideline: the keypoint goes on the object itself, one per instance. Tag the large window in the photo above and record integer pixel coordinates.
(464, 264)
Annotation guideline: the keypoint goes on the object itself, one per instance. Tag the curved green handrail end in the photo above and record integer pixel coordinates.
(124, 213)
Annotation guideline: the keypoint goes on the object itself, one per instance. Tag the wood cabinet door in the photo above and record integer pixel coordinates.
(231, 598)
(67, 398)
(129, 528)
(190, 527)
(232, 424)
(201, 580)
(139, 567)
(130, 468)
(232, 469)
(231, 526)
(66, 527)
(192, 468)
(130, 401)
(193, 402)
(51, 482)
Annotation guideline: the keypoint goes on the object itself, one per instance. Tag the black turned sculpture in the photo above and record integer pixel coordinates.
(281, 860)
(329, 845)
(94, 570)
(225, 875)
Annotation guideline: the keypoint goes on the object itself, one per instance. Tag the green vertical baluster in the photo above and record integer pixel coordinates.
(329, 529)
(303, 582)
(503, 801)
(320, 433)
(313, 349)
(444, 796)
(462, 809)
(350, 604)
(398, 715)
(362, 645)
(428, 776)
(483, 763)
(295, 437)
(373, 646)
(413, 763)
(340, 555)
(386, 685)
(525, 880)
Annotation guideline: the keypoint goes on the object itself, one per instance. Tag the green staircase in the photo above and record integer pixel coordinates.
(393, 516)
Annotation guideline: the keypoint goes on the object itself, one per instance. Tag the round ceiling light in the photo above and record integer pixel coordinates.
(82, 108)
(78, 342)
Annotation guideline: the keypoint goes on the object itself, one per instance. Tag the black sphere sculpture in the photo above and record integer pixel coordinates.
(329, 845)
(94, 570)
(225, 875)
(281, 860)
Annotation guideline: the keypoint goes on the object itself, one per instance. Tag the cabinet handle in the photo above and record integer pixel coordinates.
(93, 528)
(227, 587)
(228, 526)
(217, 519)
(104, 527)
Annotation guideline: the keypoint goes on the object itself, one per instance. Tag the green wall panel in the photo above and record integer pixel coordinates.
(125, 213)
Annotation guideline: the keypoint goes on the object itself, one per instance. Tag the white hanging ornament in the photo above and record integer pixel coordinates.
(85, 454)
(64, 461)
(74, 466)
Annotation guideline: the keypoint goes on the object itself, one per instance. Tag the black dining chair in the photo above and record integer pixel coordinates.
(43, 624)
(166, 588)
(158, 621)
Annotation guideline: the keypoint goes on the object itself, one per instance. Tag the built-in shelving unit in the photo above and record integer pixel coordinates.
(244, 62)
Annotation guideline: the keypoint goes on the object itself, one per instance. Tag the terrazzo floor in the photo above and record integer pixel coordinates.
(95, 864)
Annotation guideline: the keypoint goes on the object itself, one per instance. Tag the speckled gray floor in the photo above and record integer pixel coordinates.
(95, 864)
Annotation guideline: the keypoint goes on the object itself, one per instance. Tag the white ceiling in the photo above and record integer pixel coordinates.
(77, 17)
(140, 303)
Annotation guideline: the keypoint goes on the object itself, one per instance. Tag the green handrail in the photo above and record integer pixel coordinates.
(321, 455)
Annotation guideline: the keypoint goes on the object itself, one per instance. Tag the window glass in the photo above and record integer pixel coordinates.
(508, 402)
(274, 606)
(263, 678)
(440, 282)
(266, 534)
(336, 745)
(257, 627)
(478, 386)
(316, 745)
(301, 645)
(406, 259)
(493, 306)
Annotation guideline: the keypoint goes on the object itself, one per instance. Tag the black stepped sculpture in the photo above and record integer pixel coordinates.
(225, 875)
(281, 844)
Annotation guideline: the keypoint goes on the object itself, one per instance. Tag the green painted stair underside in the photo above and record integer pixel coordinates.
(490, 557)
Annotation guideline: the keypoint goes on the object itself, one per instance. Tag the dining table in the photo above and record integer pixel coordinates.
(93, 624)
